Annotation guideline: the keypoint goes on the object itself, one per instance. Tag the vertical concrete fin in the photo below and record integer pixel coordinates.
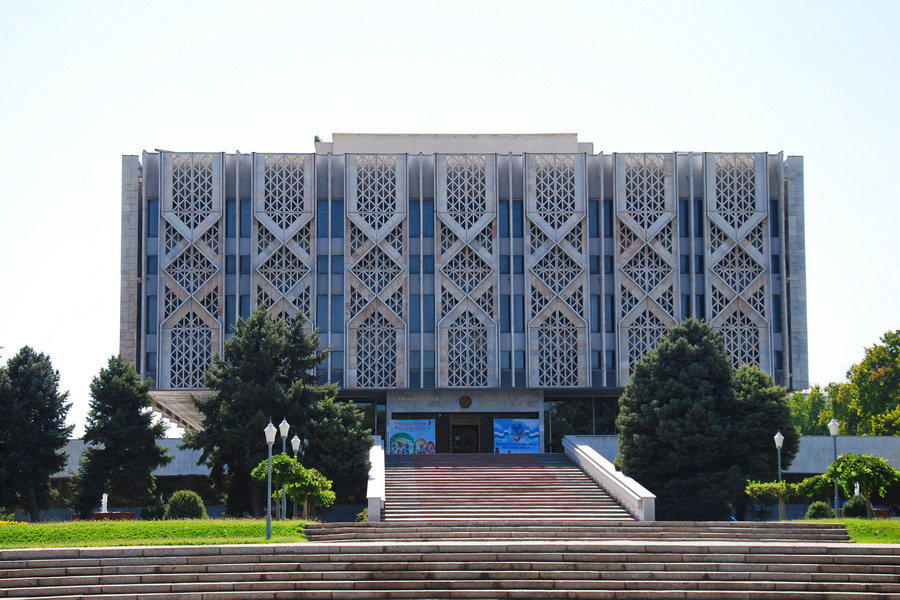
(796, 272)
(129, 318)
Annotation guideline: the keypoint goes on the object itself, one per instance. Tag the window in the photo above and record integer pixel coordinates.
(322, 264)
(245, 264)
(151, 314)
(337, 264)
(152, 218)
(150, 365)
(506, 360)
(230, 313)
(504, 313)
(519, 313)
(595, 360)
(245, 307)
(774, 218)
(776, 313)
(684, 224)
(685, 306)
(337, 313)
(518, 263)
(518, 219)
(503, 217)
(230, 218)
(428, 218)
(698, 265)
(415, 266)
(428, 313)
(519, 360)
(415, 313)
(776, 264)
(245, 218)
(608, 264)
(322, 313)
(337, 218)
(607, 219)
(700, 302)
(594, 218)
(698, 217)
(322, 218)
(428, 368)
(230, 264)
(414, 216)
(595, 314)
(611, 368)
(337, 366)
(779, 360)
(610, 306)
(152, 264)
(685, 264)
(428, 264)
(504, 264)
(594, 262)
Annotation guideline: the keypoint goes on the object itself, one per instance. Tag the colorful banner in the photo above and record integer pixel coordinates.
(517, 436)
(412, 436)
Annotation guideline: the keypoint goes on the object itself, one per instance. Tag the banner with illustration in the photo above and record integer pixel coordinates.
(517, 436)
(411, 436)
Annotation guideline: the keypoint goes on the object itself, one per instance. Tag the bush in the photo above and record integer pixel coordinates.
(856, 507)
(154, 512)
(185, 504)
(819, 510)
(363, 516)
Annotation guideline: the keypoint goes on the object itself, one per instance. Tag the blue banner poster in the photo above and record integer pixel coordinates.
(412, 436)
(517, 436)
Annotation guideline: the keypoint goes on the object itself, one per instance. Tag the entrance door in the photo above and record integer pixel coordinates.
(464, 438)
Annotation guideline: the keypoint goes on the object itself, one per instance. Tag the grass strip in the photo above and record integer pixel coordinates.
(868, 531)
(148, 533)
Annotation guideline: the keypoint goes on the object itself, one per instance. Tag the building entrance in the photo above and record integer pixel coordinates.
(464, 439)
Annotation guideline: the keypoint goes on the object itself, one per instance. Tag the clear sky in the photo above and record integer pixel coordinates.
(82, 83)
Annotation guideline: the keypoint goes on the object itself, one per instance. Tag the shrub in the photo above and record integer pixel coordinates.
(185, 504)
(363, 516)
(156, 511)
(819, 510)
(856, 507)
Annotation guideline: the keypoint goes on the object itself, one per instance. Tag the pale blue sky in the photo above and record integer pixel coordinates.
(83, 83)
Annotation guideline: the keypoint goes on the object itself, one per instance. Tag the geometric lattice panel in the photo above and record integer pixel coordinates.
(192, 187)
(738, 269)
(735, 188)
(557, 269)
(741, 337)
(376, 269)
(643, 335)
(467, 349)
(557, 352)
(647, 269)
(283, 188)
(376, 188)
(555, 193)
(376, 351)
(466, 269)
(645, 188)
(283, 269)
(191, 340)
(191, 269)
(466, 189)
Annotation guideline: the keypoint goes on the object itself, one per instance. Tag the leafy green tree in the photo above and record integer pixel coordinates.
(842, 405)
(806, 410)
(33, 431)
(304, 486)
(817, 486)
(675, 432)
(267, 373)
(872, 473)
(120, 451)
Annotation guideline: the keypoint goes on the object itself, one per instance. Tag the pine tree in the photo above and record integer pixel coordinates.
(120, 451)
(33, 431)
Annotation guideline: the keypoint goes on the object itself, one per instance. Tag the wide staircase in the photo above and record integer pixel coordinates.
(452, 569)
(492, 487)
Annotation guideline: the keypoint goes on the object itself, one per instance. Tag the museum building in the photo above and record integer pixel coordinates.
(474, 287)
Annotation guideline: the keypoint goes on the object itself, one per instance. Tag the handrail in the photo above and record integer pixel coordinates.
(375, 487)
(634, 497)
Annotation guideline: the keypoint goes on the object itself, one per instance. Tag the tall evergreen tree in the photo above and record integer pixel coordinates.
(120, 451)
(675, 435)
(33, 431)
(268, 372)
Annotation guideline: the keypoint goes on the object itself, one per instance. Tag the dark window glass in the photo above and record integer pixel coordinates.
(610, 306)
(518, 219)
(414, 217)
(519, 310)
(245, 218)
(230, 312)
(684, 229)
(245, 307)
(698, 217)
(503, 216)
(607, 219)
(594, 218)
(595, 360)
(506, 360)
(518, 264)
(230, 218)
(337, 367)
(230, 264)
(428, 360)
(152, 218)
(611, 368)
(698, 265)
(776, 264)
(608, 264)
(337, 264)
(504, 264)
(322, 313)
(245, 264)
(776, 313)
(151, 314)
(504, 313)
(337, 218)
(428, 313)
(152, 264)
(595, 314)
(322, 264)
(337, 313)
(322, 218)
(428, 218)
(150, 365)
(519, 360)
(700, 303)
(684, 263)
(685, 306)
(779, 360)
(428, 264)
(774, 219)
(415, 313)
(595, 264)
(414, 266)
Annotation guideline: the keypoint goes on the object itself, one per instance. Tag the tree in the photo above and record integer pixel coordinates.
(33, 433)
(267, 372)
(675, 435)
(304, 486)
(120, 451)
(842, 406)
(806, 410)
(872, 473)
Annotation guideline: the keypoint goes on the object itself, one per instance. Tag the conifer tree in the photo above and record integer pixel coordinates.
(120, 451)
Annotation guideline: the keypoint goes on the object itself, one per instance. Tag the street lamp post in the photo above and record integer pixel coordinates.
(833, 428)
(779, 442)
(270, 439)
(283, 428)
(295, 444)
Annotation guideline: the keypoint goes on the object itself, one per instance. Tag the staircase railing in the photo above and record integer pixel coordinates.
(634, 497)
(375, 487)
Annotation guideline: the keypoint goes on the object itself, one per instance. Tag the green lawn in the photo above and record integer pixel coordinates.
(147, 533)
(872, 531)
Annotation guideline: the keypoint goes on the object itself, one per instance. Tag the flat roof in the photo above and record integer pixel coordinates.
(450, 143)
